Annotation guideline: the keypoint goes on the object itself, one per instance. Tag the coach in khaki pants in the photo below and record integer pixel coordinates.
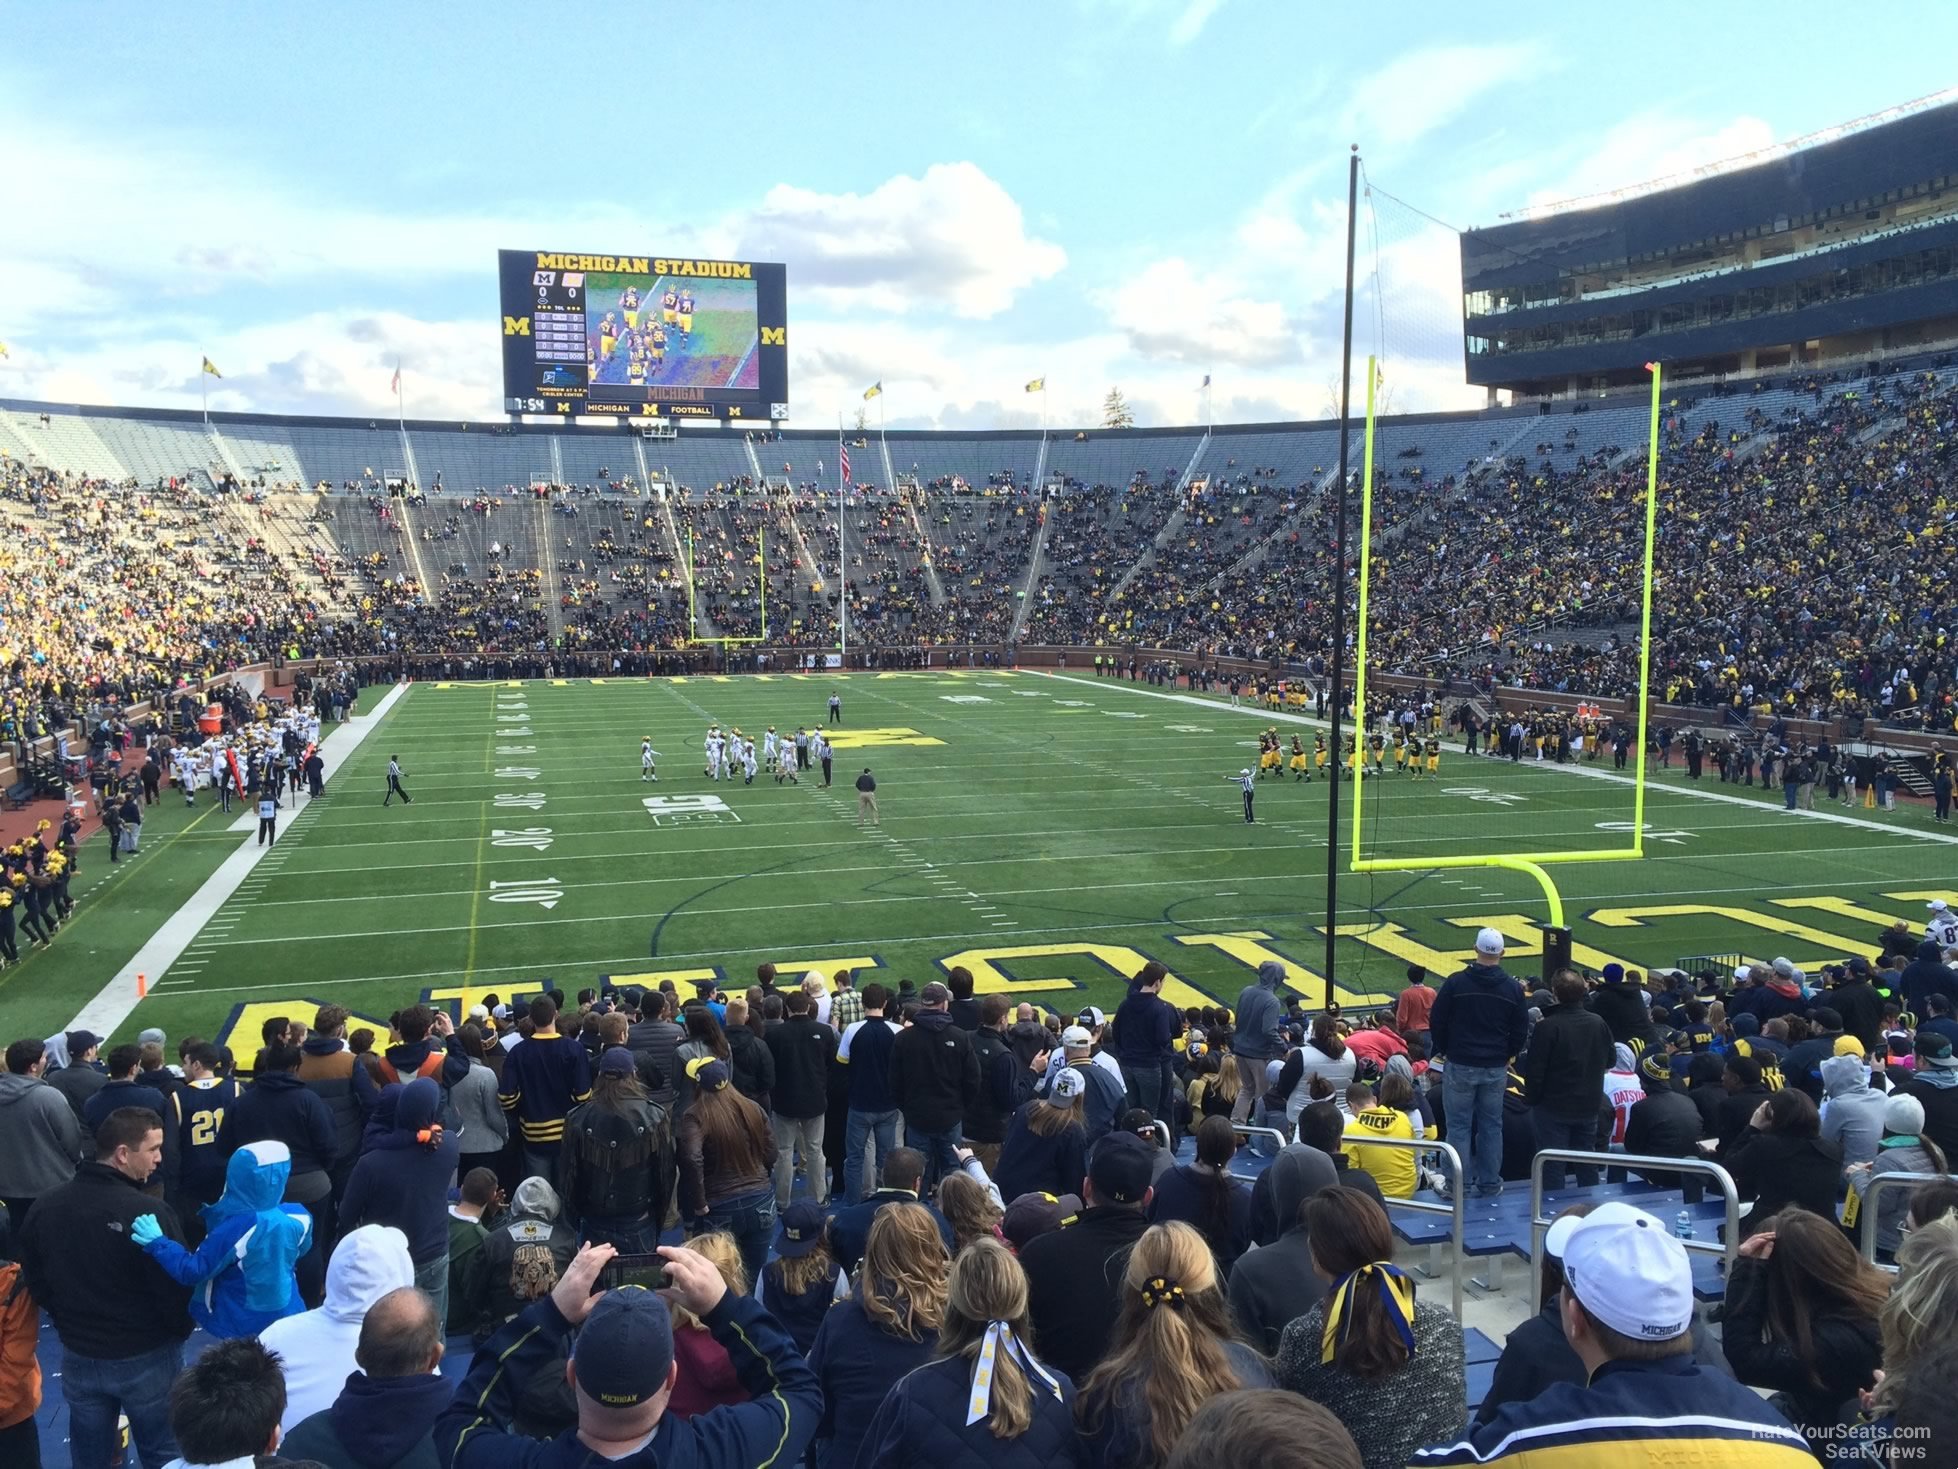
(867, 797)
(804, 1050)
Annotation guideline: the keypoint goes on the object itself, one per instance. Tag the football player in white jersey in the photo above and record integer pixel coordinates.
(647, 755)
(1942, 926)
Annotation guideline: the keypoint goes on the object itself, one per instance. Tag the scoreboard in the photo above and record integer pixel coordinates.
(643, 336)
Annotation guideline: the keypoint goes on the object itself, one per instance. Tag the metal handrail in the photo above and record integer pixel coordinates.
(1875, 1184)
(1728, 1248)
(1453, 1208)
(1247, 1129)
(1161, 1129)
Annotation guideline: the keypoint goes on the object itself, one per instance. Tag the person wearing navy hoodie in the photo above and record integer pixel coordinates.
(934, 1078)
(1146, 1026)
(385, 1415)
(402, 1180)
(1479, 1022)
(280, 1107)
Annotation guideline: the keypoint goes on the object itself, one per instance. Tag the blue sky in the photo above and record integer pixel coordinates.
(1105, 193)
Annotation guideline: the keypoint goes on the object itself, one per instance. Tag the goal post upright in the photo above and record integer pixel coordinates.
(1532, 864)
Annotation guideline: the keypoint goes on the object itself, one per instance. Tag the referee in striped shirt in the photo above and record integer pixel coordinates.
(1247, 783)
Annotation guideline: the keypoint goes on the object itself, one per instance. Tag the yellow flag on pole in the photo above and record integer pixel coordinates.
(1038, 385)
(211, 369)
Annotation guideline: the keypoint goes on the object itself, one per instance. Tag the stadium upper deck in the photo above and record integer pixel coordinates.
(1838, 250)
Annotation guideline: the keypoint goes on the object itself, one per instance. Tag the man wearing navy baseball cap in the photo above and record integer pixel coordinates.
(1627, 1311)
(1074, 1275)
(622, 1371)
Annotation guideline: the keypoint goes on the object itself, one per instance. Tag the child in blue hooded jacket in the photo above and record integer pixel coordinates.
(241, 1277)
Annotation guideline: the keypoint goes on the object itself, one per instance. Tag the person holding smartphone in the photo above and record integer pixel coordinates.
(622, 1373)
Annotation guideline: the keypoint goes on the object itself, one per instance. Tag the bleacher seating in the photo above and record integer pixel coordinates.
(1522, 525)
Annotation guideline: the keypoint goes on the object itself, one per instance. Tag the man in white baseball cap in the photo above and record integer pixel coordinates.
(1627, 1310)
(1106, 1092)
(1478, 1025)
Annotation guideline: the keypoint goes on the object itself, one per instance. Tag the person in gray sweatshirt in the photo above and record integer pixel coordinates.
(1258, 1037)
(1852, 1113)
(40, 1137)
(1274, 1284)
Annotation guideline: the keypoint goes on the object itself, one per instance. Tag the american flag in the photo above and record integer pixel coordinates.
(843, 455)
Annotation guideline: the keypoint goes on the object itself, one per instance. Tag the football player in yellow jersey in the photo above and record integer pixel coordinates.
(1377, 754)
(1434, 757)
(1352, 758)
(629, 306)
(608, 335)
(635, 367)
(1268, 758)
(686, 312)
(1319, 753)
(1400, 751)
(657, 349)
(1298, 761)
(668, 304)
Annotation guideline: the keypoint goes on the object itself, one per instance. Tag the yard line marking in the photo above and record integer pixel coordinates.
(116, 1000)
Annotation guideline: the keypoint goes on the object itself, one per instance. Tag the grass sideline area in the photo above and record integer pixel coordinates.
(1048, 832)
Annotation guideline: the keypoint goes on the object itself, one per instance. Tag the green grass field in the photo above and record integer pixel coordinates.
(1050, 833)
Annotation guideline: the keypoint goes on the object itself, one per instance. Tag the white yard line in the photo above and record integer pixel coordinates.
(116, 1000)
(1607, 775)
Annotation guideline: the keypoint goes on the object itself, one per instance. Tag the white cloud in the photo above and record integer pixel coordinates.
(1171, 311)
(954, 238)
(1190, 23)
(1413, 95)
(170, 217)
(319, 362)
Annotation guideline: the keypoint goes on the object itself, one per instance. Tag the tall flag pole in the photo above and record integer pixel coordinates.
(1206, 403)
(842, 566)
(203, 394)
(400, 413)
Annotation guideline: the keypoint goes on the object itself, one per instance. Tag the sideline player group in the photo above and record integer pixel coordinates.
(1413, 756)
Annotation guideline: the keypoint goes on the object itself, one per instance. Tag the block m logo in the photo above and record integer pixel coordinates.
(774, 336)
(516, 326)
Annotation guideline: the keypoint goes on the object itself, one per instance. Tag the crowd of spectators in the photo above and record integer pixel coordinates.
(1796, 558)
(911, 1222)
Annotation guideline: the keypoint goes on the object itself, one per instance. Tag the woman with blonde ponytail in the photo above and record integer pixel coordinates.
(1177, 1351)
(987, 1390)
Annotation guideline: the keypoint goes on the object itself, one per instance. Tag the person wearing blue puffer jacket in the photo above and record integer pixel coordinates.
(242, 1276)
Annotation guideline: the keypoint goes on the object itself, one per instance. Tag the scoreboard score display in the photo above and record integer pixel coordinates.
(643, 336)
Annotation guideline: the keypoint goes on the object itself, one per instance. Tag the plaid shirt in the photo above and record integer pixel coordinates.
(845, 1010)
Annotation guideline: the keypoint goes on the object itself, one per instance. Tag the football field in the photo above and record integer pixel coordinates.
(1049, 833)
